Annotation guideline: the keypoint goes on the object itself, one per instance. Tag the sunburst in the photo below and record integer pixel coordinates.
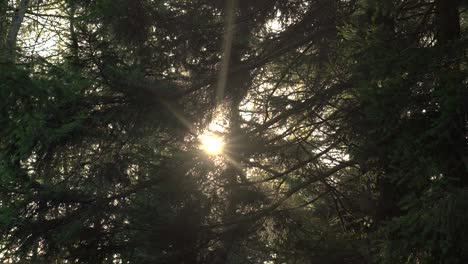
(211, 143)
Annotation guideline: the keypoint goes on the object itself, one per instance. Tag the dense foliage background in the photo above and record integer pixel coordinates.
(345, 129)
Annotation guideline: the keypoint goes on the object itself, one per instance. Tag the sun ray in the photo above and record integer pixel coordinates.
(227, 45)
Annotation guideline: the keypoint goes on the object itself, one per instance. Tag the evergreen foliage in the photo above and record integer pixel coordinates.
(344, 127)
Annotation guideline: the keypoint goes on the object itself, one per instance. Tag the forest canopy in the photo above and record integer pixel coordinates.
(233, 131)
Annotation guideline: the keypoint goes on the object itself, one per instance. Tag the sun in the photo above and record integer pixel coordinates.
(211, 144)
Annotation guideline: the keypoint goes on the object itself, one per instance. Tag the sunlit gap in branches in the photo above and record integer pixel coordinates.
(212, 144)
(216, 142)
(42, 35)
(212, 139)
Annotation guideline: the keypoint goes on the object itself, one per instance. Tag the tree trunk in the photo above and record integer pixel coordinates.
(73, 38)
(9, 50)
(448, 32)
